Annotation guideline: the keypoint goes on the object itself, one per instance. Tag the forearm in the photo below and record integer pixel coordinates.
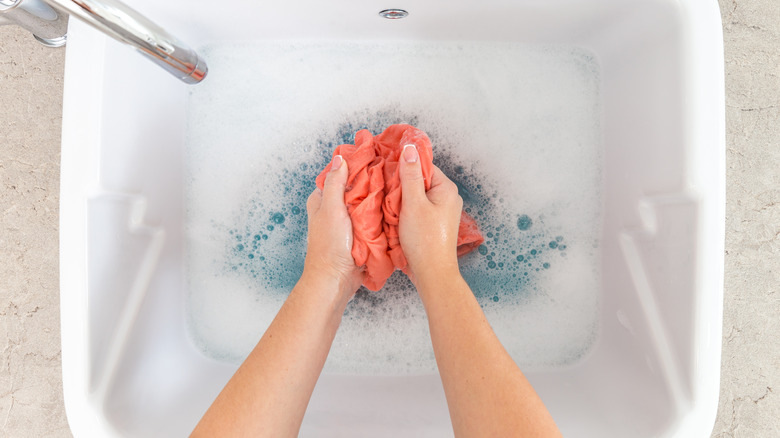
(269, 393)
(486, 392)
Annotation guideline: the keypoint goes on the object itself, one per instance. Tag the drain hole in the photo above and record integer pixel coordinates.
(393, 14)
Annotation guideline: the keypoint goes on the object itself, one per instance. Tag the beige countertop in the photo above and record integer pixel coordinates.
(31, 402)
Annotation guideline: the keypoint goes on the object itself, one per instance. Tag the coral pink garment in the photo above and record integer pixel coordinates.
(373, 199)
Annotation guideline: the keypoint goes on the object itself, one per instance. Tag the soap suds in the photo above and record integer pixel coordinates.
(516, 127)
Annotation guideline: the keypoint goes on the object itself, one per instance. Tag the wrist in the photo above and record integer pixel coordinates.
(442, 278)
(334, 290)
(317, 303)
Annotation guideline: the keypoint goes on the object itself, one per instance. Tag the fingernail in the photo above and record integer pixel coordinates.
(337, 160)
(410, 153)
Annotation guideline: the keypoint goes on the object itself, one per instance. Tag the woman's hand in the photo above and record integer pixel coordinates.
(428, 225)
(268, 395)
(329, 259)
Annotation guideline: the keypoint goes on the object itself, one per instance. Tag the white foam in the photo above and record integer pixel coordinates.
(525, 118)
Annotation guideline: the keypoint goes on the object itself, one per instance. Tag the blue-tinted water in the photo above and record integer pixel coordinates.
(504, 267)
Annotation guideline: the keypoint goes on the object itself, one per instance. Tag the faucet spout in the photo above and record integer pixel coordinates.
(47, 20)
(123, 23)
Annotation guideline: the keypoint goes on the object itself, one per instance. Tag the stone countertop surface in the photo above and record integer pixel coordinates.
(31, 78)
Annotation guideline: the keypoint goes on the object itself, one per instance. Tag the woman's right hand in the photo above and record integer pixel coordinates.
(428, 222)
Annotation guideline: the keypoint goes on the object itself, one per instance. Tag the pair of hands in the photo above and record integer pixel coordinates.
(486, 392)
(428, 227)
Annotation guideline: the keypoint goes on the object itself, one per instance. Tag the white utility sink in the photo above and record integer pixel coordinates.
(587, 138)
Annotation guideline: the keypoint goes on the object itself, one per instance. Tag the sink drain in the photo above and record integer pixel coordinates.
(393, 14)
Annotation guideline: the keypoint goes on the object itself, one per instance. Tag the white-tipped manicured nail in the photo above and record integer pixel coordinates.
(410, 153)
(337, 160)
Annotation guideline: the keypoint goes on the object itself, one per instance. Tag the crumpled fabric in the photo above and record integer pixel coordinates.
(373, 200)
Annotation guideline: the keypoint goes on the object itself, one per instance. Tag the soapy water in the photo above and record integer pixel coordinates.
(534, 193)
(502, 267)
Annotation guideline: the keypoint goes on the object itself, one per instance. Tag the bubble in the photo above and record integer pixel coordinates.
(277, 218)
(524, 222)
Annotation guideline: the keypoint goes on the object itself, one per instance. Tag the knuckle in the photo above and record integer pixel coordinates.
(411, 171)
(338, 186)
(413, 177)
(459, 201)
(333, 183)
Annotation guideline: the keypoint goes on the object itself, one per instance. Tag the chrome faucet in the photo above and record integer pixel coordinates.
(48, 22)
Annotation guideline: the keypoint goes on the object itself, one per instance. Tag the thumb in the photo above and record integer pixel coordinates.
(410, 171)
(335, 183)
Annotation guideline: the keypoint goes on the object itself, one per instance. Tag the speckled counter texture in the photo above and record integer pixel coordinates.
(30, 109)
(30, 112)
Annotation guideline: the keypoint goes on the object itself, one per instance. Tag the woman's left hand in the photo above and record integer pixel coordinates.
(329, 259)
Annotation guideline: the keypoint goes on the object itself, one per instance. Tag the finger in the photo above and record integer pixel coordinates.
(410, 171)
(335, 183)
(438, 178)
(441, 187)
(314, 201)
